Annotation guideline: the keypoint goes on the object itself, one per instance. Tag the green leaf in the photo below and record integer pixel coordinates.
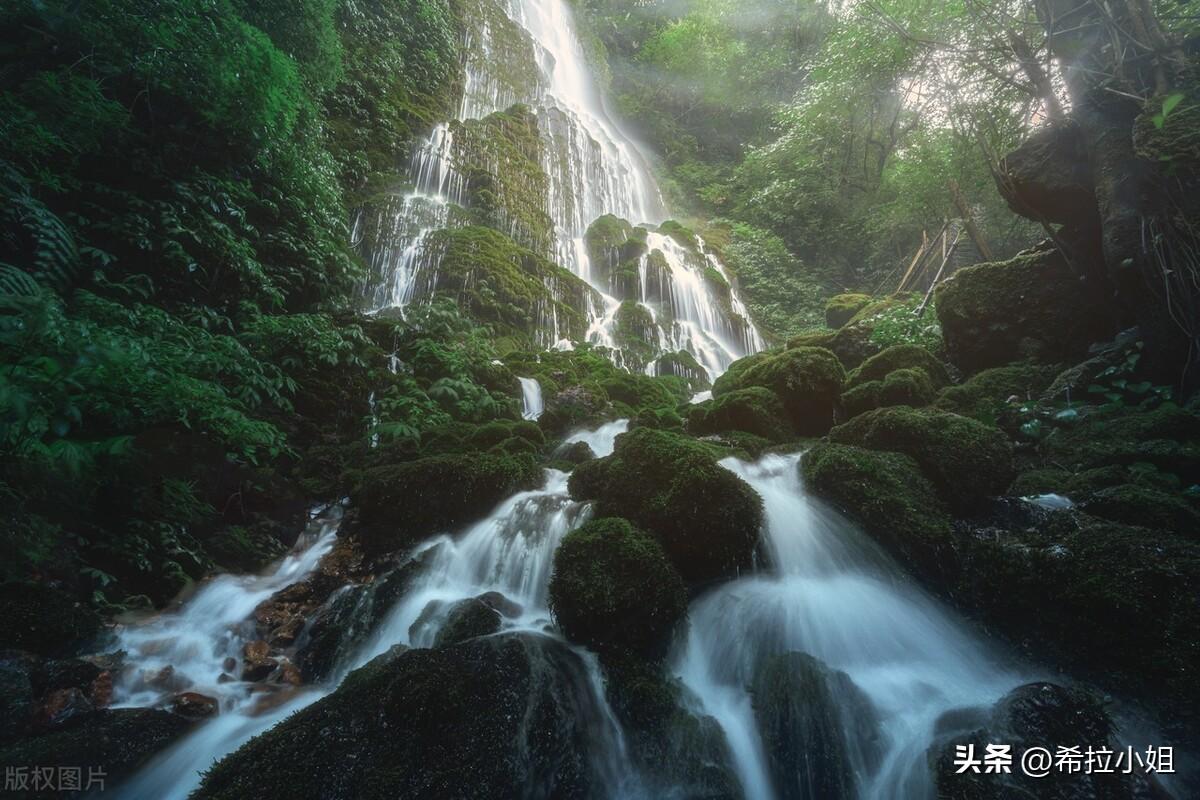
(1170, 103)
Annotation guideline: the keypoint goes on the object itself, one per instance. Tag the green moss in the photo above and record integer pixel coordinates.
(903, 356)
(1140, 505)
(966, 460)
(244, 549)
(605, 238)
(1165, 438)
(614, 589)
(683, 235)
(500, 156)
(635, 335)
(888, 496)
(684, 365)
(808, 380)
(396, 506)
(904, 387)
(1031, 307)
(706, 518)
(843, 307)
(985, 395)
(756, 410)
(43, 620)
(507, 286)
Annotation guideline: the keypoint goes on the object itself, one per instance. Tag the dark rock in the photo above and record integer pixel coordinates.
(500, 716)
(465, 620)
(1140, 505)
(1048, 177)
(614, 589)
(577, 453)
(16, 692)
(705, 517)
(59, 707)
(501, 604)
(117, 742)
(1031, 307)
(818, 729)
(1036, 715)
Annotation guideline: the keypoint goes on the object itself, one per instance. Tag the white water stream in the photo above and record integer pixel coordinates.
(832, 593)
(532, 404)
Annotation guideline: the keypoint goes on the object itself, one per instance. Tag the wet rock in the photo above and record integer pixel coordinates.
(165, 679)
(577, 453)
(502, 605)
(193, 705)
(888, 496)
(1030, 307)
(117, 742)
(465, 620)
(16, 692)
(819, 731)
(705, 517)
(59, 707)
(500, 716)
(614, 589)
(257, 665)
(1036, 715)
(54, 674)
(40, 619)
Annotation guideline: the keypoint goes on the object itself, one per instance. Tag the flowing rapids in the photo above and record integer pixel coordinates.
(510, 552)
(831, 593)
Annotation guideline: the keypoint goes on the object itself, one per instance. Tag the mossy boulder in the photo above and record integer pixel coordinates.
(706, 518)
(1167, 438)
(819, 731)
(843, 307)
(886, 494)
(677, 753)
(1031, 716)
(904, 387)
(398, 505)
(1031, 307)
(808, 380)
(684, 365)
(115, 742)
(984, 396)
(857, 340)
(897, 357)
(756, 410)
(1145, 506)
(614, 589)
(44, 620)
(965, 460)
(510, 715)
(467, 619)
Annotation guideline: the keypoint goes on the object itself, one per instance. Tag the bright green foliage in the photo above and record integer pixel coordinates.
(614, 589)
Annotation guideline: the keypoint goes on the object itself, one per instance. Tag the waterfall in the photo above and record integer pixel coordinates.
(832, 593)
(532, 404)
(528, 52)
(510, 553)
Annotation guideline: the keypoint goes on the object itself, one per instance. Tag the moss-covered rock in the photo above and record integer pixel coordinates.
(635, 335)
(984, 396)
(861, 337)
(512, 288)
(113, 742)
(819, 731)
(684, 365)
(396, 506)
(966, 460)
(887, 495)
(1144, 506)
(843, 307)
(616, 248)
(677, 753)
(901, 356)
(240, 548)
(808, 380)
(1166, 438)
(904, 387)
(756, 410)
(705, 517)
(1032, 307)
(467, 619)
(1027, 717)
(43, 620)
(614, 589)
(498, 716)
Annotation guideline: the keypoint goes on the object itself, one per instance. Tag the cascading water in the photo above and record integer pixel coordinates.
(527, 51)
(532, 404)
(834, 595)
